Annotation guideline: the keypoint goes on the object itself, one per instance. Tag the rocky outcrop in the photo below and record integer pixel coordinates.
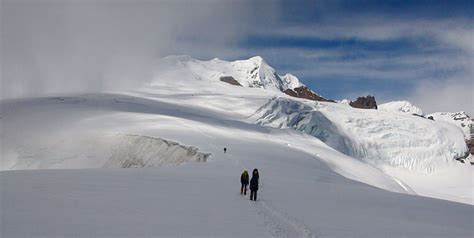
(230, 80)
(364, 102)
(470, 146)
(469, 156)
(305, 92)
(291, 92)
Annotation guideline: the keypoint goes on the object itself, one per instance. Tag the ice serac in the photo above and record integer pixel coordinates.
(378, 137)
(401, 106)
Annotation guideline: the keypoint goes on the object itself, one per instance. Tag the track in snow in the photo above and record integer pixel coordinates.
(280, 224)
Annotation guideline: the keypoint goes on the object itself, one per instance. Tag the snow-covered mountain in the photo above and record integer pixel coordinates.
(253, 72)
(322, 164)
(400, 106)
(459, 119)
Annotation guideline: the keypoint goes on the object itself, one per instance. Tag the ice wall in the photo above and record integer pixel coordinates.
(380, 138)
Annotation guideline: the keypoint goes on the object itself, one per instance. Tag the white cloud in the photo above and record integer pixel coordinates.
(453, 32)
(451, 96)
(74, 45)
(67, 46)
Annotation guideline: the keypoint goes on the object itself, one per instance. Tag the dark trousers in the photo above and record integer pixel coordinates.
(253, 195)
(243, 189)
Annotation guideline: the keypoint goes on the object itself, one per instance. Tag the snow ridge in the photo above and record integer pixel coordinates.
(401, 106)
(253, 72)
(459, 119)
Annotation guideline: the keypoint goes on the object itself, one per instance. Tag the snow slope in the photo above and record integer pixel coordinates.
(400, 106)
(307, 188)
(459, 119)
(302, 191)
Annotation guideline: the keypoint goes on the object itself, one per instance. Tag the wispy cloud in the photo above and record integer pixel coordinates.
(455, 32)
(452, 95)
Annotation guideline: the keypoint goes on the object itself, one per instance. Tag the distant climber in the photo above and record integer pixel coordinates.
(244, 181)
(225, 150)
(254, 185)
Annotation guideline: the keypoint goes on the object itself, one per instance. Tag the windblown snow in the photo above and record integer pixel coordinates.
(326, 169)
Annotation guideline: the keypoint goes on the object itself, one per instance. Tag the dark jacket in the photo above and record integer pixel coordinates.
(254, 183)
(244, 178)
(255, 174)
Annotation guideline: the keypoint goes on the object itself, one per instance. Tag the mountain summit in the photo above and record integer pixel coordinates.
(253, 72)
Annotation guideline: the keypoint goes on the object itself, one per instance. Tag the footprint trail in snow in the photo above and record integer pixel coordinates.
(280, 224)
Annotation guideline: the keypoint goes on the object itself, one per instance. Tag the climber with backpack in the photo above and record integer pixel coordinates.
(254, 185)
(244, 181)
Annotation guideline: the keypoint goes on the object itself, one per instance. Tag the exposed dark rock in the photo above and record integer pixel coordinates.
(470, 146)
(291, 92)
(230, 80)
(365, 102)
(422, 116)
(460, 116)
(305, 92)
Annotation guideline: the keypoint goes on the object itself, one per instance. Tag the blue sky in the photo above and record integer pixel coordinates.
(391, 49)
(421, 51)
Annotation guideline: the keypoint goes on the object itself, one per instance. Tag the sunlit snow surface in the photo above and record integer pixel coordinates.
(400, 106)
(349, 187)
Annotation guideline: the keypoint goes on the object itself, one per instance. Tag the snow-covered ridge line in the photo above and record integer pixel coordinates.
(253, 72)
(401, 106)
(459, 119)
(378, 137)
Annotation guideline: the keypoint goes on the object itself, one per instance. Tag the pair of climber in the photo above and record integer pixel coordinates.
(244, 181)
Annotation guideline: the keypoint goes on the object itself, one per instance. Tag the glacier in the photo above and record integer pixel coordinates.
(377, 137)
(149, 162)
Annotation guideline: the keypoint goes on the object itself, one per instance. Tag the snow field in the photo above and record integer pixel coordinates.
(327, 170)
